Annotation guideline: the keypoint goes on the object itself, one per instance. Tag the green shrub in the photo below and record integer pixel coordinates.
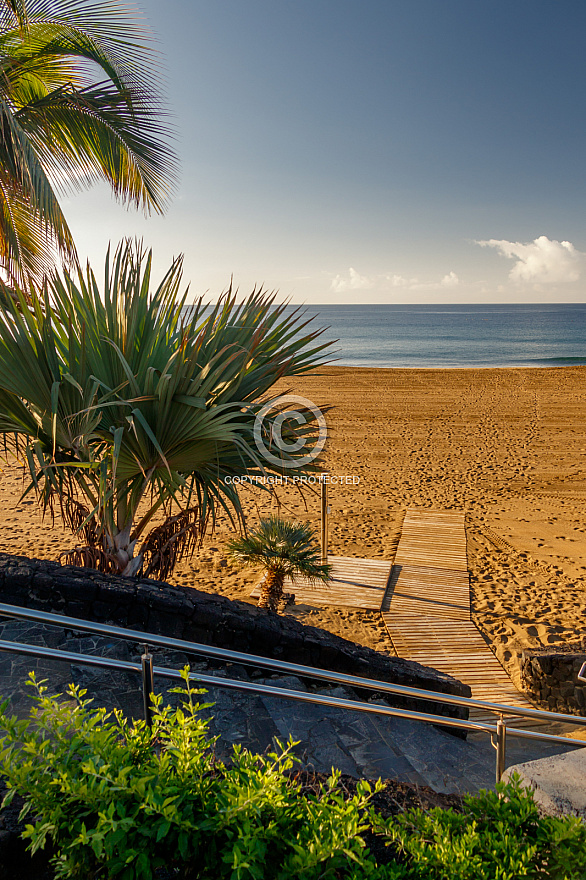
(118, 800)
(499, 835)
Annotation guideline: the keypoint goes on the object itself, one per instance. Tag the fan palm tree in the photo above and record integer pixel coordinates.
(285, 550)
(123, 398)
(78, 104)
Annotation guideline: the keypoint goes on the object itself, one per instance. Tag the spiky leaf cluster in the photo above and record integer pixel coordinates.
(120, 396)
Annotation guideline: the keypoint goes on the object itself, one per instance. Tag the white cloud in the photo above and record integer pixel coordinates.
(450, 280)
(351, 281)
(543, 261)
(396, 280)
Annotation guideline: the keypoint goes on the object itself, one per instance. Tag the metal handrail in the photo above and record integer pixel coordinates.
(231, 656)
(238, 684)
(147, 670)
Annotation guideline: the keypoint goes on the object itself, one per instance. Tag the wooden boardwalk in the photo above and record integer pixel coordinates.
(425, 603)
(355, 583)
(427, 609)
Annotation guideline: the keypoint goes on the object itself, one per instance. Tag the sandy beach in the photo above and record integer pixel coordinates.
(508, 446)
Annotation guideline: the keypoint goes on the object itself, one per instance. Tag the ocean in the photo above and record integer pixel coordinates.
(528, 335)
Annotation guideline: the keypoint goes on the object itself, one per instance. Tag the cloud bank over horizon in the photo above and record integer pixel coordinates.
(539, 266)
(541, 261)
(352, 280)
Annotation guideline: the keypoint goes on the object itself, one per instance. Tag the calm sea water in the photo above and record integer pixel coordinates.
(455, 335)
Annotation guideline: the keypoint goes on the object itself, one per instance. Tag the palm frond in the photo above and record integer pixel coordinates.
(281, 546)
(99, 133)
(62, 126)
(23, 177)
(105, 33)
(13, 15)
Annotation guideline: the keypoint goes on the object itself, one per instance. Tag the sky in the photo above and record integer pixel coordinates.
(368, 151)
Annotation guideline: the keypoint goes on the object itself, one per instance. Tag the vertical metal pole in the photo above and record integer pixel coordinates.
(324, 519)
(501, 745)
(148, 685)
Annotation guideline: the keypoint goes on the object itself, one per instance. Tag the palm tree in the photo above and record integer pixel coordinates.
(124, 399)
(78, 104)
(285, 550)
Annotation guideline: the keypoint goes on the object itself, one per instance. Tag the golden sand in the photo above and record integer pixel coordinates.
(506, 445)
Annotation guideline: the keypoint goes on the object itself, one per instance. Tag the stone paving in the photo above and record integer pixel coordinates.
(361, 745)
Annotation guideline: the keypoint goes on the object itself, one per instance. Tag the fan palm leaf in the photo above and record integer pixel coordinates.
(284, 550)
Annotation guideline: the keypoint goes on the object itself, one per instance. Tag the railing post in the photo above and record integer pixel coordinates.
(324, 519)
(501, 745)
(148, 685)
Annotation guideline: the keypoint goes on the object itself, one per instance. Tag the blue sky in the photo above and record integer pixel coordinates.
(370, 150)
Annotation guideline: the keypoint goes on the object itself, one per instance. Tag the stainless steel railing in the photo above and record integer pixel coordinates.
(147, 670)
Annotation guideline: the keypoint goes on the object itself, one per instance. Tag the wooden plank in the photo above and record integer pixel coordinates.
(427, 609)
(436, 590)
(355, 583)
(441, 648)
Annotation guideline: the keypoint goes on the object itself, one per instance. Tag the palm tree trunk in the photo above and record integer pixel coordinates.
(271, 591)
(122, 550)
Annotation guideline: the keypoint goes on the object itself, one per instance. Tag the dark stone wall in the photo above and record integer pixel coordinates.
(189, 614)
(550, 677)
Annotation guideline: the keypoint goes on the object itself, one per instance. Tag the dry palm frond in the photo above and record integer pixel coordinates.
(177, 538)
(91, 557)
(81, 521)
